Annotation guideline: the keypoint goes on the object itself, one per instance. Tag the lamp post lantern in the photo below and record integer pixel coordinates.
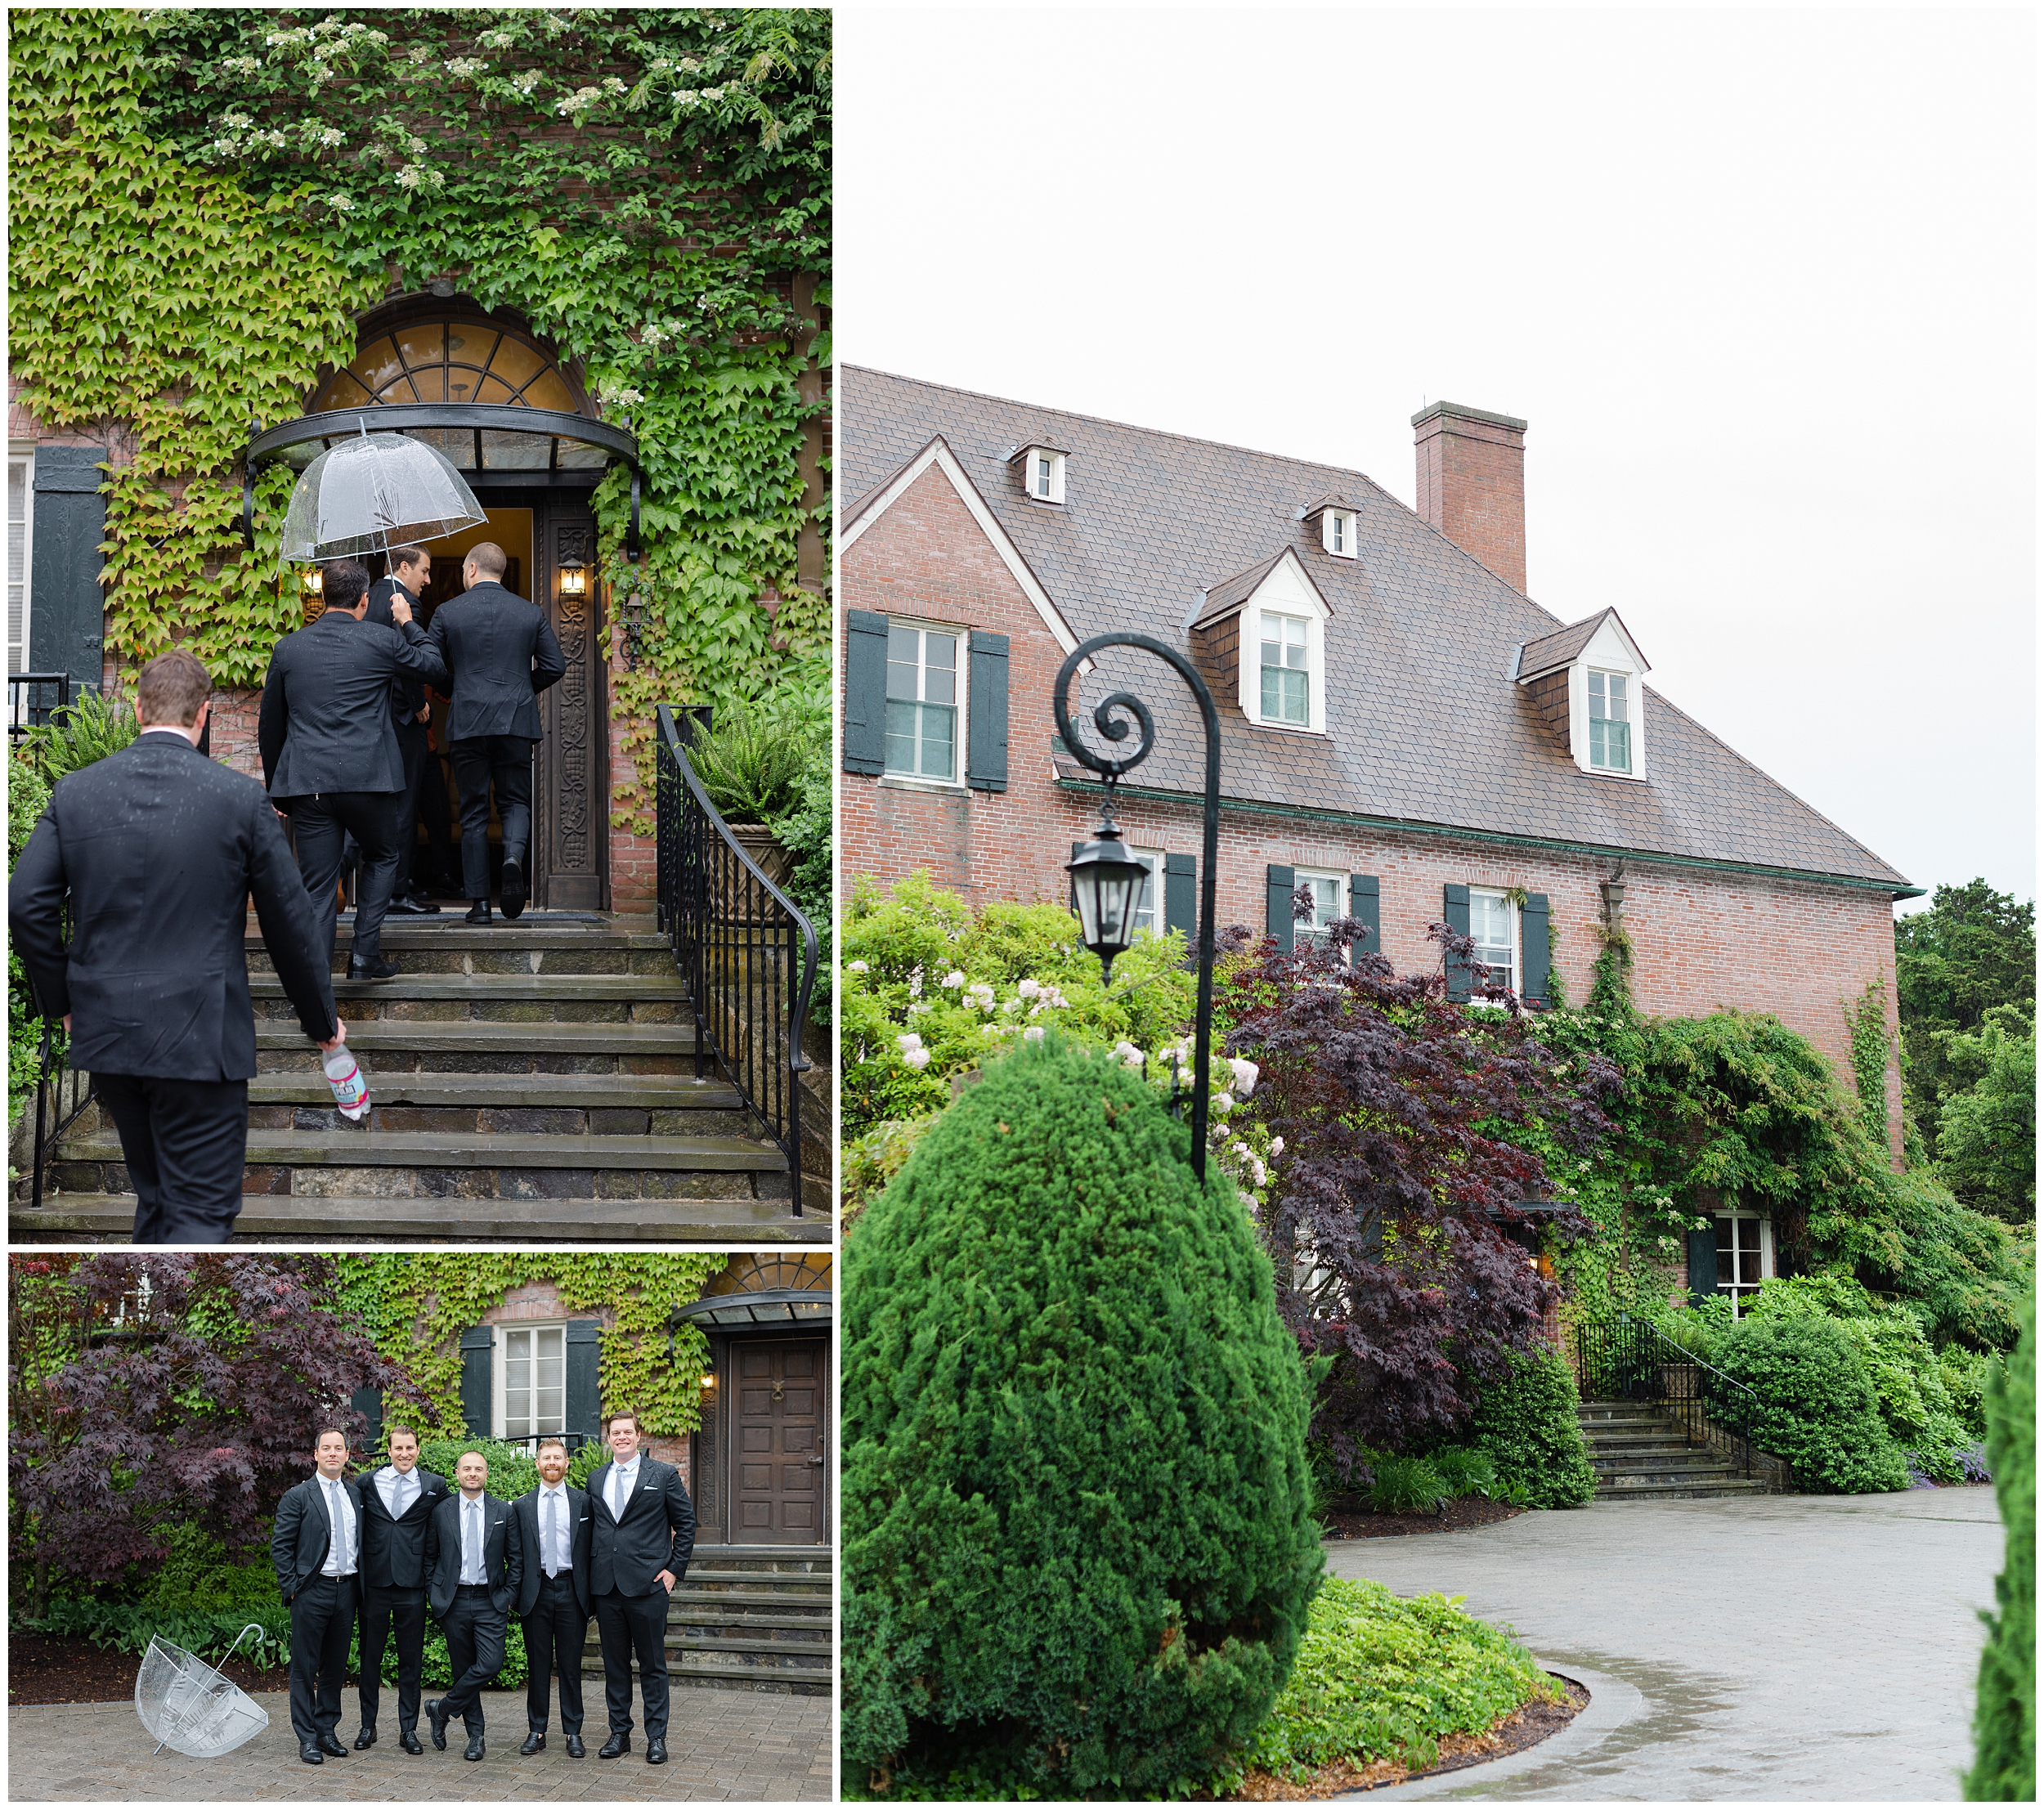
(1107, 880)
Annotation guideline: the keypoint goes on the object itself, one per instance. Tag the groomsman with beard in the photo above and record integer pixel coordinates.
(315, 1546)
(643, 1530)
(553, 1605)
(474, 1563)
(398, 1504)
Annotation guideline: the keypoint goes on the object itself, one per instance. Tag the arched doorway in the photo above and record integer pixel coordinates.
(506, 411)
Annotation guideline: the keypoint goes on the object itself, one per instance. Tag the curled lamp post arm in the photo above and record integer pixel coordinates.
(1114, 728)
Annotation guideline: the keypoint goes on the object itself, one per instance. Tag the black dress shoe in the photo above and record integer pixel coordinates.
(437, 1718)
(366, 1738)
(656, 1751)
(534, 1744)
(309, 1752)
(329, 1744)
(616, 1744)
(477, 913)
(474, 1749)
(410, 1742)
(512, 888)
(576, 1749)
(381, 969)
(414, 905)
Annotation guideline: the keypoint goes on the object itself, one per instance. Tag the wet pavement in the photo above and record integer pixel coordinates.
(1771, 1647)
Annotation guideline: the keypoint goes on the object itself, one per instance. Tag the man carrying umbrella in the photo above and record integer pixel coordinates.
(330, 756)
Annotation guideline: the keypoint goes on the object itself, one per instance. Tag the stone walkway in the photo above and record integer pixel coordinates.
(1776, 1647)
(722, 1744)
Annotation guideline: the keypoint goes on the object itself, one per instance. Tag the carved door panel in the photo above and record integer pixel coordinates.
(777, 1468)
(570, 801)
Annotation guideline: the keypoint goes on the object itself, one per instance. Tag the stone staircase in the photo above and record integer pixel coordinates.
(747, 1617)
(1639, 1454)
(530, 1082)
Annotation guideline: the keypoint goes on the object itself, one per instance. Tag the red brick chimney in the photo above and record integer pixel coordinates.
(1472, 483)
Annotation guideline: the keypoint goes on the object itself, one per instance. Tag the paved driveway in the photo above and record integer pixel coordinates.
(722, 1744)
(1774, 1647)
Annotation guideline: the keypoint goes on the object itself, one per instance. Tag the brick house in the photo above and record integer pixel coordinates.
(1403, 727)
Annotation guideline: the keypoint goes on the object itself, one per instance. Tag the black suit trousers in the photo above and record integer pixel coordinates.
(411, 747)
(319, 826)
(555, 1633)
(475, 1651)
(504, 761)
(626, 1625)
(322, 1618)
(387, 1609)
(186, 1143)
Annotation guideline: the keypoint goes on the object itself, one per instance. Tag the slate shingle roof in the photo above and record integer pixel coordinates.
(1556, 649)
(1426, 726)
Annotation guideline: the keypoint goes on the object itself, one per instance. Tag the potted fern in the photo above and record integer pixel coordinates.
(750, 762)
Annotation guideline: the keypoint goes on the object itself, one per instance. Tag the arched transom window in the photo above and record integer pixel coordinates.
(447, 361)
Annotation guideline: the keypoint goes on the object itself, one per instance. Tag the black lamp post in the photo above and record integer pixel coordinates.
(1106, 881)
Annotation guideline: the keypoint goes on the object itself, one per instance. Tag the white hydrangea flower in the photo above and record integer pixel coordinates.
(916, 1006)
(1034, 1034)
(1277, 1146)
(915, 983)
(526, 81)
(330, 136)
(1131, 1056)
(341, 203)
(910, 1040)
(461, 68)
(1245, 1074)
(981, 995)
(236, 121)
(1028, 989)
(956, 978)
(614, 86)
(916, 1058)
(410, 177)
(855, 967)
(242, 66)
(651, 334)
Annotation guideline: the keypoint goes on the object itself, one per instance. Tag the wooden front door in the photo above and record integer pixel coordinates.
(777, 1470)
(570, 790)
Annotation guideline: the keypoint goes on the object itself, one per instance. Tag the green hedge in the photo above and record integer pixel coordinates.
(1819, 1407)
(1527, 1424)
(2005, 1719)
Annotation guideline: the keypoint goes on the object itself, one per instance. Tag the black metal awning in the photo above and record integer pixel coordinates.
(758, 1307)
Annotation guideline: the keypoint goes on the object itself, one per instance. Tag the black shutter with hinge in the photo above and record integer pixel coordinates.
(1181, 896)
(583, 1410)
(865, 692)
(368, 1404)
(1703, 1266)
(986, 712)
(1533, 948)
(67, 622)
(1071, 887)
(1455, 911)
(1280, 885)
(1362, 907)
(477, 1344)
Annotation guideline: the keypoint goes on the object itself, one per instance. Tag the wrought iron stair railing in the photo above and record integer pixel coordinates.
(1627, 1359)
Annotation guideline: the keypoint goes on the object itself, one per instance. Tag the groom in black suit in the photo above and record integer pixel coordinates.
(501, 653)
(641, 1531)
(398, 1504)
(329, 750)
(474, 1563)
(160, 850)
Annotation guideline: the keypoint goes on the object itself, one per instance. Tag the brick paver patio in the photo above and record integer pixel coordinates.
(724, 1744)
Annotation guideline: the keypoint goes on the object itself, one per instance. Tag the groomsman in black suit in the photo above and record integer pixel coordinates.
(502, 653)
(329, 750)
(553, 1603)
(315, 1546)
(398, 1504)
(641, 1531)
(473, 1560)
(159, 851)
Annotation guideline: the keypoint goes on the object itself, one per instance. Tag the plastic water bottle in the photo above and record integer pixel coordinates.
(351, 1092)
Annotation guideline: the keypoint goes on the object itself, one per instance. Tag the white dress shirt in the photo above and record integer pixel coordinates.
(624, 1479)
(341, 1549)
(556, 1540)
(472, 1541)
(399, 1489)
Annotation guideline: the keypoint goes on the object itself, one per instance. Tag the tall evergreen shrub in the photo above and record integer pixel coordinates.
(1819, 1407)
(1528, 1426)
(1078, 1543)
(2005, 1721)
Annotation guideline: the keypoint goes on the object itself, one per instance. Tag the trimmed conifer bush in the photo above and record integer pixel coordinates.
(1818, 1407)
(1528, 1426)
(2005, 1719)
(1078, 1540)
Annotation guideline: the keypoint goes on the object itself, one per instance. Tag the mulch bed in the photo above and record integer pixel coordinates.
(42, 1670)
(1348, 1518)
(1512, 1734)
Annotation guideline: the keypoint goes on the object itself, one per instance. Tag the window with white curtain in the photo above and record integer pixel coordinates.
(21, 497)
(532, 1396)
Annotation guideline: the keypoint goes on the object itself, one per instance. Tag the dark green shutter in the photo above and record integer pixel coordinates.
(369, 1403)
(584, 1407)
(1071, 886)
(1280, 885)
(477, 1343)
(1181, 895)
(1362, 907)
(865, 692)
(1703, 1266)
(67, 619)
(1533, 951)
(987, 715)
(1455, 911)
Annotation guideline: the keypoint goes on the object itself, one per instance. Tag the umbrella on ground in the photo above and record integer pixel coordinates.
(188, 1704)
(373, 493)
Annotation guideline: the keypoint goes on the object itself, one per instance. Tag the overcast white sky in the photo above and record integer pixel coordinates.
(1763, 285)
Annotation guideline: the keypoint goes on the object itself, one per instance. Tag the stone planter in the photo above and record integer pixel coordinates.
(768, 855)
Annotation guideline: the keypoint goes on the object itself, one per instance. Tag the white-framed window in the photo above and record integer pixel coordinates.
(1745, 1255)
(1338, 533)
(1043, 473)
(922, 701)
(1287, 668)
(1149, 914)
(1611, 743)
(531, 1397)
(1329, 902)
(1493, 926)
(21, 508)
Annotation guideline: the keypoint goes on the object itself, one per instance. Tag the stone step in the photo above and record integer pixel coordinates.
(602, 1105)
(499, 1048)
(579, 992)
(100, 1218)
(717, 1557)
(795, 1614)
(746, 1599)
(445, 945)
(1733, 1486)
(1664, 1439)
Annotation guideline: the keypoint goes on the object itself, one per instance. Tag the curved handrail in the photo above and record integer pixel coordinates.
(1689, 1356)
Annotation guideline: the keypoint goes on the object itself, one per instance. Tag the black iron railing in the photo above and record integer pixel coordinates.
(31, 698)
(61, 1094)
(1630, 1359)
(748, 953)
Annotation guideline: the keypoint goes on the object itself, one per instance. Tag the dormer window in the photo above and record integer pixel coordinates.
(1587, 682)
(1287, 670)
(1338, 533)
(1610, 746)
(1043, 472)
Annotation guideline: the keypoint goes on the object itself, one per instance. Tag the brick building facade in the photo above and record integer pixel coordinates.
(1447, 753)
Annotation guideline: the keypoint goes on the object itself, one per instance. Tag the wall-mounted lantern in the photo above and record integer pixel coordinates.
(574, 577)
(312, 582)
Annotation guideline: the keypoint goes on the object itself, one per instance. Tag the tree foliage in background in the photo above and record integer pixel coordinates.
(2004, 1715)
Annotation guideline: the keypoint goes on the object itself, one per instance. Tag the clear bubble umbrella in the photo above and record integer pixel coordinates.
(373, 493)
(189, 1705)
